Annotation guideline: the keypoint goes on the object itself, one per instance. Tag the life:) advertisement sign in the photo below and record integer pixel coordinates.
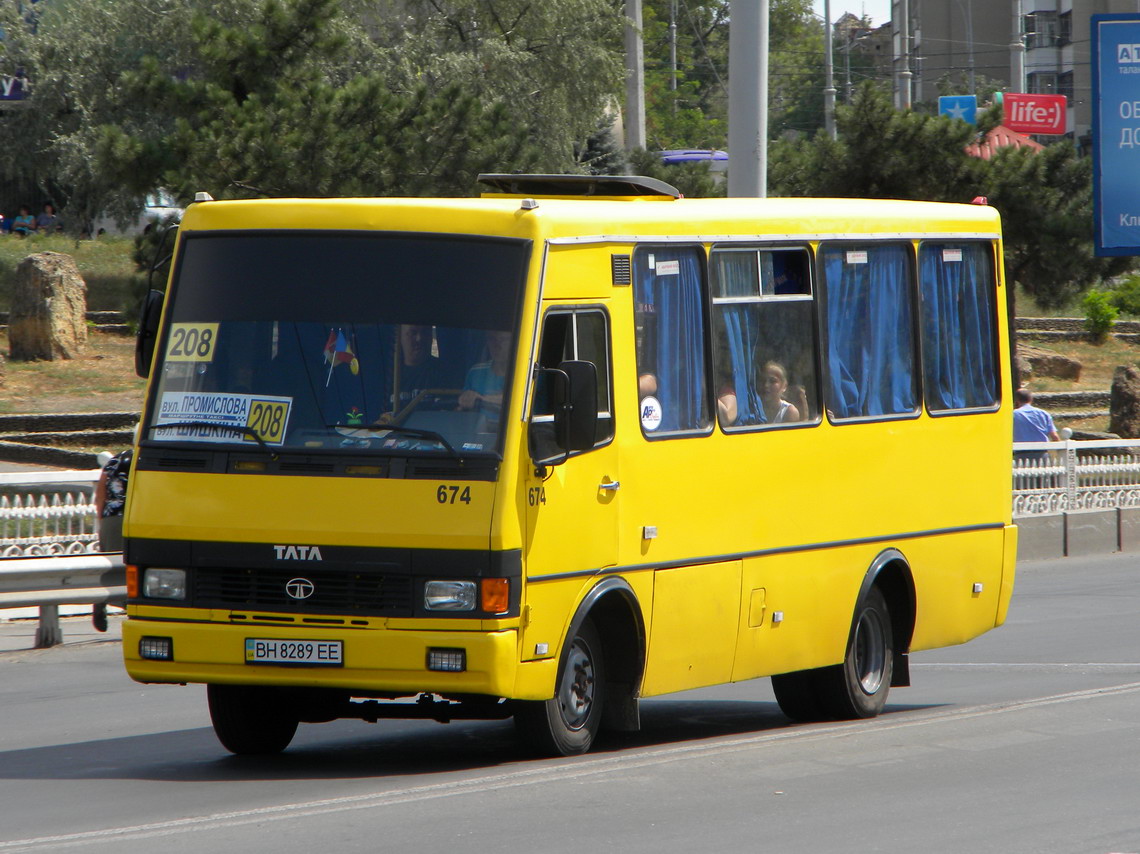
(1116, 133)
(1035, 113)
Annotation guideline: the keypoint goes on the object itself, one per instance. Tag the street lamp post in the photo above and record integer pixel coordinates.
(829, 73)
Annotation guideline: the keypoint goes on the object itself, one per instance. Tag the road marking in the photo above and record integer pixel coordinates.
(1027, 665)
(566, 769)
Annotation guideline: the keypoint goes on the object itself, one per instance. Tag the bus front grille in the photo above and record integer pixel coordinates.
(324, 592)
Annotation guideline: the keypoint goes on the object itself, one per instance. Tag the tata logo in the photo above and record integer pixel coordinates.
(1128, 53)
(300, 588)
(297, 553)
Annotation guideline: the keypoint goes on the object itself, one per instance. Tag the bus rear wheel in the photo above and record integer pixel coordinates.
(566, 724)
(250, 720)
(858, 687)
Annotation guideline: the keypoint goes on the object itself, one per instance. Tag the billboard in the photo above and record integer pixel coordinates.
(1035, 113)
(1116, 133)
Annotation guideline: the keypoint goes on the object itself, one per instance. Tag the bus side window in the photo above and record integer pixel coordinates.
(959, 358)
(764, 328)
(669, 325)
(579, 335)
(870, 330)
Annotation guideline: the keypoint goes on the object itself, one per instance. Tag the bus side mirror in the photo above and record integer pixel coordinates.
(565, 412)
(148, 332)
(577, 423)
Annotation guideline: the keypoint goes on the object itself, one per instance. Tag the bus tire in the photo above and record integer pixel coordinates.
(249, 720)
(797, 696)
(858, 687)
(566, 724)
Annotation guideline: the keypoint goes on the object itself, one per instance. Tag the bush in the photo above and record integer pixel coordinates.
(1100, 314)
(1126, 296)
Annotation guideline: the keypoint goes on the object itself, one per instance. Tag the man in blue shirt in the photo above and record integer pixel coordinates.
(1031, 424)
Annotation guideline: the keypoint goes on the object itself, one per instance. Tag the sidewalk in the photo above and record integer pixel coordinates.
(20, 634)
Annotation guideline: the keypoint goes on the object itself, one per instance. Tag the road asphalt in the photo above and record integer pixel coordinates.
(19, 634)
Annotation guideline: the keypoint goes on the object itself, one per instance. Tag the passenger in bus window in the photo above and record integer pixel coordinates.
(484, 383)
(774, 384)
(726, 405)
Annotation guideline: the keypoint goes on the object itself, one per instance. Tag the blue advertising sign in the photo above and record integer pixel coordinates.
(964, 107)
(1116, 133)
(13, 88)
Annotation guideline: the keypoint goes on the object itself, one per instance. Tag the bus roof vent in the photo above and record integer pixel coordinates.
(577, 185)
(621, 269)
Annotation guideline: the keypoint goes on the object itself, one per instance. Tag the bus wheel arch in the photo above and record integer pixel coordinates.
(875, 657)
(599, 675)
(890, 572)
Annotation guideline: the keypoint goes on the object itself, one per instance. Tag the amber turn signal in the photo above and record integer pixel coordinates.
(495, 595)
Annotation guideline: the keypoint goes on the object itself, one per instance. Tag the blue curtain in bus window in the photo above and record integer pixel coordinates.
(668, 297)
(959, 362)
(869, 325)
(738, 276)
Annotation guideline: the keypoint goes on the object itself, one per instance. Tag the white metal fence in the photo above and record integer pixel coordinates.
(48, 513)
(1050, 478)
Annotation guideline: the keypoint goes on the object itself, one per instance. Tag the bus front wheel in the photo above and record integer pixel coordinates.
(566, 724)
(858, 687)
(250, 720)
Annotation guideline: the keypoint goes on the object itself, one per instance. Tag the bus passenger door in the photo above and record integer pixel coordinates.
(572, 512)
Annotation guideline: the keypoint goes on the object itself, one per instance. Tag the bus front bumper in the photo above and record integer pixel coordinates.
(385, 661)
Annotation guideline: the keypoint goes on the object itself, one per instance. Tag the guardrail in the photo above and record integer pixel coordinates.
(1050, 478)
(49, 549)
(1076, 498)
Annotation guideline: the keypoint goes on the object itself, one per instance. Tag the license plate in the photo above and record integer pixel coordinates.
(304, 652)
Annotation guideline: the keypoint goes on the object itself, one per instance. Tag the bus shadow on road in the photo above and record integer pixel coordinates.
(401, 749)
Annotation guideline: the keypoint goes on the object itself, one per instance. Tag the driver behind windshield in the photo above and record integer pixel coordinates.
(419, 370)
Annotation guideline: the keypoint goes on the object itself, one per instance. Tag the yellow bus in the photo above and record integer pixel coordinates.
(578, 442)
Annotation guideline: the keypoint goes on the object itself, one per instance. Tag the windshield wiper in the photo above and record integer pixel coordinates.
(417, 432)
(233, 428)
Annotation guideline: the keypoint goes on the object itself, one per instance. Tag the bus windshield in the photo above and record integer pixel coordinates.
(343, 341)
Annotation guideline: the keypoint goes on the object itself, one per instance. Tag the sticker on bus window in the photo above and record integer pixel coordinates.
(669, 268)
(650, 413)
(219, 417)
(857, 256)
(950, 255)
(191, 342)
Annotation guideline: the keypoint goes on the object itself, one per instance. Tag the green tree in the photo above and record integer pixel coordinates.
(1045, 198)
(880, 153)
(555, 67)
(300, 97)
(694, 113)
(267, 110)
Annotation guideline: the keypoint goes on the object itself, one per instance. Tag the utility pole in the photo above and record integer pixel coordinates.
(634, 123)
(903, 82)
(829, 73)
(748, 99)
(969, 13)
(1017, 52)
(673, 48)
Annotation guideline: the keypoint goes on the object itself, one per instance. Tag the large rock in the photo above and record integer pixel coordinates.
(1124, 403)
(49, 307)
(1038, 362)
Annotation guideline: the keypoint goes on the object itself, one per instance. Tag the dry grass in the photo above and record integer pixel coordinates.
(1099, 362)
(103, 380)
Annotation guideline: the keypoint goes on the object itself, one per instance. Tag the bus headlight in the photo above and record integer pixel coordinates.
(449, 595)
(164, 583)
